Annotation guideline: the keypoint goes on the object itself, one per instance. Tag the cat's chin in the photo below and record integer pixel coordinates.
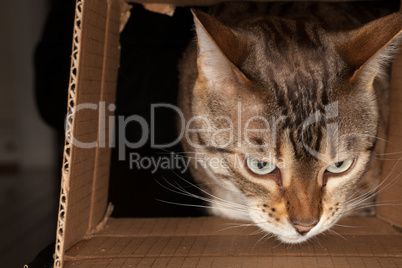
(292, 237)
(293, 240)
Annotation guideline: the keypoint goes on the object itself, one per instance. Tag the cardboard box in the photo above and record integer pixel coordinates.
(87, 237)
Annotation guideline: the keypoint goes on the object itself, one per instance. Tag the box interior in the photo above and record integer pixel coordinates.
(216, 242)
(87, 236)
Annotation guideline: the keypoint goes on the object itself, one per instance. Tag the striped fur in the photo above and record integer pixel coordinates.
(299, 72)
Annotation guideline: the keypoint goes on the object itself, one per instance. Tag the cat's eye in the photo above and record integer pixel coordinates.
(340, 167)
(260, 167)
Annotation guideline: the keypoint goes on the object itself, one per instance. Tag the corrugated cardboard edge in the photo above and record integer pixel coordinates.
(72, 96)
(65, 176)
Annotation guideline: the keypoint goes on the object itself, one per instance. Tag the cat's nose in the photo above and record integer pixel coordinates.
(303, 229)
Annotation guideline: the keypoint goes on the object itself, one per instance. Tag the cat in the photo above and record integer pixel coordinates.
(285, 105)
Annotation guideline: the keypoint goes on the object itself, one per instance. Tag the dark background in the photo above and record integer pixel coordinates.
(151, 45)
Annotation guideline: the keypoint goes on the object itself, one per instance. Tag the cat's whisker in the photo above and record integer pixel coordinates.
(367, 135)
(373, 192)
(354, 202)
(280, 243)
(386, 202)
(373, 205)
(347, 226)
(181, 204)
(244, 226)
(383, 203)
(338, 234)
(251, 224)
(225, 204)
(207, 193)
(359, 204)
(258, 241)
(258, 231)
(225, 207)
(358, 208)
(376, 155)
(400, 152)
(317, 240)
(357, 191)
(230, 206)
(386, 159)
(261, 239)
(215, 199)
(360, 199)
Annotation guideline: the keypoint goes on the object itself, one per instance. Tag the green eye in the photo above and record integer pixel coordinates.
(260, 167)
(340, 167)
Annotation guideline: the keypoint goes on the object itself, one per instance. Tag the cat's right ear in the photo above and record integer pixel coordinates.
(367, 49)
(220, 52)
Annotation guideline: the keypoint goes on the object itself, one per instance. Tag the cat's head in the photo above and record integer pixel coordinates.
(293, 112)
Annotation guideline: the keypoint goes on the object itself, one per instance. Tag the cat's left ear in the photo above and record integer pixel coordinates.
(220, 53)
(367, 49)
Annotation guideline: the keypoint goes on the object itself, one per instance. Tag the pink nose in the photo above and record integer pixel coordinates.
(303, 229)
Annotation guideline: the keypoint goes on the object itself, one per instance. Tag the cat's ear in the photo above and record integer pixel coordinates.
(220, 52)
(367, 49)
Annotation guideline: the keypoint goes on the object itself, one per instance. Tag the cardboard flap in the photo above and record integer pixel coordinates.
(389, 199)
(91, 96)
(166, 9)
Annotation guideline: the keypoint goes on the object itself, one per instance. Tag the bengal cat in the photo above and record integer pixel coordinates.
(285, 106)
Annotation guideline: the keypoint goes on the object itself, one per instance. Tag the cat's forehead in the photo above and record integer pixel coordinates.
(291, 53)
(295, 65)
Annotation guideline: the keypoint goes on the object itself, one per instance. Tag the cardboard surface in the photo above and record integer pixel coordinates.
(213, 242)
(233, 261)
(390, 196)
(108, 77)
